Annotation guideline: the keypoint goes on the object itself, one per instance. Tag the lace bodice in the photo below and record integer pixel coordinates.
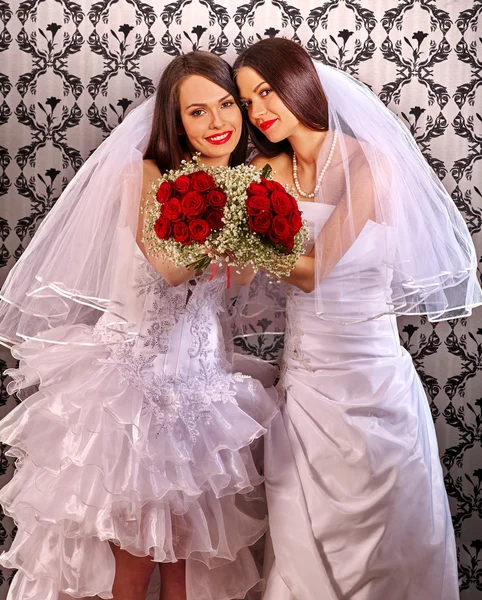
(178, 357)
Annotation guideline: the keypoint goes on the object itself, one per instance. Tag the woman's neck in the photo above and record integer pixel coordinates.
(307, 144)
(208, 161)
(214, 162)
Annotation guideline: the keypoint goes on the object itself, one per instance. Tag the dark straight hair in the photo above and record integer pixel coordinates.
(288, 69)
(166, 146)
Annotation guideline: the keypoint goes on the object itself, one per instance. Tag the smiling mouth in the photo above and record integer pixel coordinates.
(219, 138)
(265, 125)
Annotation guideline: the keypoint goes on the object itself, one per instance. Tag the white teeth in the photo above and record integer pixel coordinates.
(217, 138)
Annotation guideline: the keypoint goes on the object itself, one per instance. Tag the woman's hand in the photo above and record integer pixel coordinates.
(303, 274)
(243, 275)
(240, 275)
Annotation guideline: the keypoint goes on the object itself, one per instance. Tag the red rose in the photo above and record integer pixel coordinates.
(181, 233)
(199, 230)
(193, 204)
(256, 204)
(215, 219)
(289, 243)
(202, 182)
(280, 230)
(260, 223)
(281, 203)
(273, 186)
(172, 210)
(257, 189)
(162, 228)
(217, 198)
(164, 192)
(182, 184)
(295, 222)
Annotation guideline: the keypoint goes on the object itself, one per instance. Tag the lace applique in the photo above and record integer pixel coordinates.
(148, 279)
(163, 315)
(170, 397)
(167, 306)
(167, 398)
(201, 307)
(109, 333)
(133, 367)
(164, 307)
(188, 397)
(294, 332)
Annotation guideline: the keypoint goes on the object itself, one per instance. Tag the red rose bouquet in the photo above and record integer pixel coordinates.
(191, 209)
(273, 213)
(196, 214)
(185, 215)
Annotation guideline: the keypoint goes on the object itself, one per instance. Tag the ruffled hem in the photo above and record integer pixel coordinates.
(93, 467)
(207, 528)
(50, 567)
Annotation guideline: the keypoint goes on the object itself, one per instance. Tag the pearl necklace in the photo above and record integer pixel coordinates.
(322, 174)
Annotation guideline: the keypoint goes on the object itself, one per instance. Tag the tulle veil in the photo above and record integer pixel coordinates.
(83, 256)
(380, 185)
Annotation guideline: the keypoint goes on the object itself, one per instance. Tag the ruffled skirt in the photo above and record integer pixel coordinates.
(92, 467)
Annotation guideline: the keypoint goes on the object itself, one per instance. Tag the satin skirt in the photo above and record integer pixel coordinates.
(356, 499)
(93, 467)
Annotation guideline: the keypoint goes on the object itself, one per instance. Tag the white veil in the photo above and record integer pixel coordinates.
(393, 242)
(389, 203)
(84, 255)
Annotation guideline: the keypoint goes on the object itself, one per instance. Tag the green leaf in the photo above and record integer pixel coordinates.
(266, 170)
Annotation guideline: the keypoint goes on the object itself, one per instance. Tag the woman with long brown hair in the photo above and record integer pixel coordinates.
(356, 499)
(133, 438)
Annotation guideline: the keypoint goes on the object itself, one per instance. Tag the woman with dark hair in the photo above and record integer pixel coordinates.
(183, 80)
(133, 438)
(356, 499)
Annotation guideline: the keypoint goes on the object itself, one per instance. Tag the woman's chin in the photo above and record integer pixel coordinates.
(274, 136)
(218, 151)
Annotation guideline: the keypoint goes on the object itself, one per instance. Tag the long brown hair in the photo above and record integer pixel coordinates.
(288, 69)
(166, 146)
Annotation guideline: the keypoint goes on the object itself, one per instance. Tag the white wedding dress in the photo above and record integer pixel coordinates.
(144, 443)
(356, 499)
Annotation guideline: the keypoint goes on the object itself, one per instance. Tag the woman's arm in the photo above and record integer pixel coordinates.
(344, 225)
(173, 274)
(243, 275)
(339, 233)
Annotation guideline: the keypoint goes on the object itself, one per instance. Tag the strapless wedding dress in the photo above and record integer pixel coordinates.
(357, 504)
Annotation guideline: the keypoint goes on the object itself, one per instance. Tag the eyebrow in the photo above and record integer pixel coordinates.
(256, 88)
(259, 85)
(201, 104)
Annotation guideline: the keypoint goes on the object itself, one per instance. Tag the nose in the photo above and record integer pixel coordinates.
(257, 108)
(216, 120)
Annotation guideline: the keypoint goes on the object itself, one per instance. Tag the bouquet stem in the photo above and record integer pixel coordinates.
(200, 264)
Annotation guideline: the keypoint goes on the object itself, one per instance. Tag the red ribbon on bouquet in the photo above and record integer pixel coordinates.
(228, 275)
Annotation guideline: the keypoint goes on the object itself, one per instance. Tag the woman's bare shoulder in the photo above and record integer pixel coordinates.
(150, 172)
(150, 166)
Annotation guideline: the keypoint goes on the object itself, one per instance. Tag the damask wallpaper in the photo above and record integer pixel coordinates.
(70, 70)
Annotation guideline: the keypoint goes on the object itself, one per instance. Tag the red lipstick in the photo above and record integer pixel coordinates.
(265, 125)
(219, 138)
